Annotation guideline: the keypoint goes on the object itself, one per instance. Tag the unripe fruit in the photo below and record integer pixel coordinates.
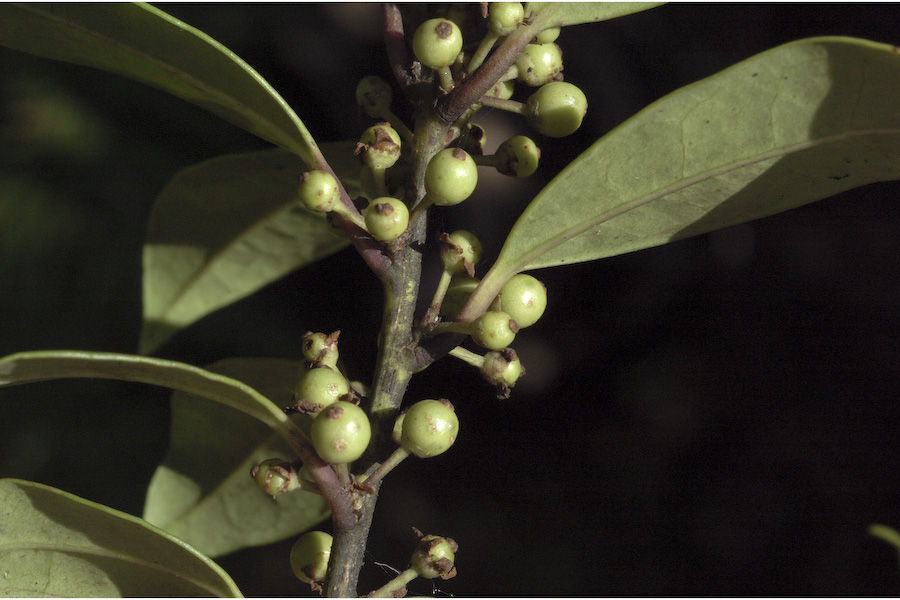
(502, 368)
(451, 176)
(458, 292)
(429, 428)
(318, 388)
(503, 90)
(434, 557)
(547, 35)
(374, 95)
(310, 555)
(397, 431)
(494, 330)
(461, 251)
(539, 64)
(379, 146)
(523, 298)
(321, 349)
(556, 109)
(386, 218)
(319, 191)
(518, 156)
(272, 476)
(504, 17)
(436, 43)
(341, 433)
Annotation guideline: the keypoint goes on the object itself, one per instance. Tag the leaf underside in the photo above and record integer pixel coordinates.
(144, 43)
(792, 125)
(203, 493)
(224, 228)
(56, 544)
(576, 13)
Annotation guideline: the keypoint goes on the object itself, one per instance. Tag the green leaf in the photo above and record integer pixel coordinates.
(224, 228)
(561, 14)
(203, 493)
(28, 367)
(144, 43)
(792, 125)
(55, 544)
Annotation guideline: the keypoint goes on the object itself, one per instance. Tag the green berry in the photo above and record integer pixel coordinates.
(434, 557)
(518, 156)
(379, 146)
(429, 428)
(556, 109)
(458, 292)
(436, 43)
(319, 191)
(494, 330)
(319, 387)
(539, 64)
(547, 35)
(504, 17)
(503, 90)
(461, 251)
(523, 298)
(386, 218)
(374, 95)
(310, 555)
(502, 368)
(451, 176)
(321, 349)
(340, 433)
(273, 476)
(397, 431)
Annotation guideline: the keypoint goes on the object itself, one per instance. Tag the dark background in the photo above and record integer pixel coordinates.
(717, 416)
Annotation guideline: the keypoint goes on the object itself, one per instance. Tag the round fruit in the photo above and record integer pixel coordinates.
(434, 557)
(547, 35)
(380, 146)
(436, 43)
(319, 191)
(429, 428)
(320, 387)
(502, 367)
(556, 109)
(340, 433)
(523, 298)
(539, 64)
(518, 156)
(320, 348)
(504, 17)
(310, 555)
(451, 176)
(374, 95)
(386, 218)
(460, 248)
(494, 330)
(503, 90)
(458, 292)
(271, 480)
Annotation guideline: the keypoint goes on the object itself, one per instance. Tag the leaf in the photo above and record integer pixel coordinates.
(224, 228)
(56, 544)
(28, 367)
(144, 43)
(792, 125)
(562, 14)
(203, 493)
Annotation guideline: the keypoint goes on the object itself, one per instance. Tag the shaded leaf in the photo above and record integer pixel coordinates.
(561, 14)
(203, 493)
(224, 228)
(56, 544)
(144, 43)
(28, 367)
(792, 125)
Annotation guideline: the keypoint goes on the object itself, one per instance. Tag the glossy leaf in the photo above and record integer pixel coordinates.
(224, 228)
(29, 367)
(144, 43)
(792, 125)
(561, 14)
(203, 493)
(56, 544)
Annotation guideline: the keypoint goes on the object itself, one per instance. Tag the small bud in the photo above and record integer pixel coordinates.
(379, 146)
(434, 557)
(320, 349)
(502, 370)
(319, 191)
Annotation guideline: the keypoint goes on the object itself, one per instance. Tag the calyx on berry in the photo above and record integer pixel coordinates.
(379, 146)
(451, 176)
(275, 476)
(502, 369)
(386, 218)
(374, 95)
(523, 298)
(434, 557)
(340, 433)
(319, 191)
(556, 109)
(539, 64)
(321, 350)
(437, 42)
(429, 428)
(309, 557)
(518, 156)
(318, 387)
(493, 330)
(460, 251)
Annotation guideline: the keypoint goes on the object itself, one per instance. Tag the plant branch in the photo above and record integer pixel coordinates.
(395, 44)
